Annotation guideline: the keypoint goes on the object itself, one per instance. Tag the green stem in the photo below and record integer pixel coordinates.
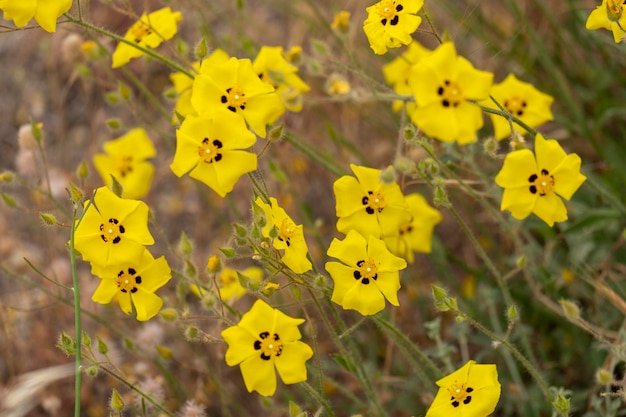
(314, 154)
(173, 65)
(509, 117)
(77, 325)
(315, 395)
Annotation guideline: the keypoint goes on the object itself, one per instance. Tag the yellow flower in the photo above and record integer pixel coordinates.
(368, 205)
(337, 85)
(126, 160)
(211, 150)
(183, 84)
(272, 68)
(234, 86)
(149, 31)
(536, 183)
(229, 287)
(471, 391)
(294, 54)
(609, 15)
(444, 85)
(133, 283)
(45, 12)
(265, 341)
(290, 236)
(523, 101)
(390, 23)
(398, 71)
(341, 21)
(415, 235)
(367, 274)
(113, 230)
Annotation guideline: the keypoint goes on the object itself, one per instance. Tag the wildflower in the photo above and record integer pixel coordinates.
(471, 391)
(390, 23)
(610, 16)
(290, 236)
(229, 287)
(367, 274)
(294, 54)
(45, 12)
(398, 71)
(341, 21)
(112, 230)
(149, 31)
(416, 234)
(368, 205)
(133, 283)
(234, 86)
(443, 83)
(523, 101)
(125, 158)
(272, 68)
(536, 183)
(337, 85)
(211, 150)
(266, 339)
(183, 84)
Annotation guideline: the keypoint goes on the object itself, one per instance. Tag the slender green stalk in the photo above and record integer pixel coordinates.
(315, 395)
(309, 151)
(77, 325)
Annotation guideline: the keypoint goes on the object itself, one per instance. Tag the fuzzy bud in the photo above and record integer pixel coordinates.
(48, 219)
(116, 403)
(604, 377)
(570, 309)
(169, 314)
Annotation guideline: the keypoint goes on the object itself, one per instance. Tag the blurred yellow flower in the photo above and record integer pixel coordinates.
(390, 23)
(45, 12)
(126, 160)
(149, 32)
(610, 16)
(133, 283)
(337, 85)
(537, 183)
(443, 85)
(471, 391)
(265, 341)
(398, 71)
(230, 288)
(341, 21)
(523, 101)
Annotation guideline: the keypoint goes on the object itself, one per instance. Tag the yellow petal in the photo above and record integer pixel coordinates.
(550, 208)
(49, 11)
(364, 298)
(259, 375)
(240, 344)
(147, 304)
(291, 364)
(567, 176)
(517, 168)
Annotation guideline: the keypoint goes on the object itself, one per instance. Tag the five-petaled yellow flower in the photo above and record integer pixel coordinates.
(536, 183)
(367, 274)
(368, 205)
(471, 391)
(45, 12)
(229, 287)
(444, 85)
(235, 87)
(415, 235)
(390, 23)
(398, 71)
(149, 31)
(273, 68)
(112, 230)
(610, 16)
(265, 341)
(133, 283)
(523, 101)
(211, 150)
(289, 238)
(126, 160)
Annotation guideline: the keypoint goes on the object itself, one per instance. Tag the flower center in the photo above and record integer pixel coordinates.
(124, 165)
(366, 270)
(286, 231)
(614, 9)
(542, 184)
(128, 280)
(374, 202)
(209, 150)
(270, 346)
(515, 106)
(139, 30)
(111, 231)
(388, 11)
(227, 279)
(451, 94)
(235, 98)
(459, 393)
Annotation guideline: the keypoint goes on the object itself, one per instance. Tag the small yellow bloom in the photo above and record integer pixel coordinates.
(149, 32)
(471, 391)
(294, 54)
(537, 182)
(390, 23)
(265, 341)
(610, 16)
(341, 21)
(337, 85)
(45, 12)
(398, 72)
(230, 288)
